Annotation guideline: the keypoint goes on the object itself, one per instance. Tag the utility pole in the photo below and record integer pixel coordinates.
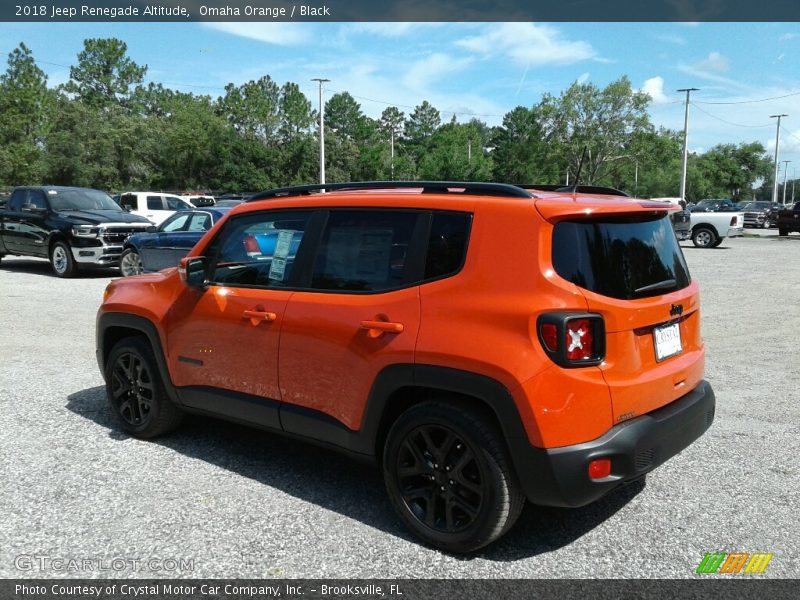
(392, 146)
(685, 141)
(321, 131)
(469, 150)
(777, 141)
(785, 172)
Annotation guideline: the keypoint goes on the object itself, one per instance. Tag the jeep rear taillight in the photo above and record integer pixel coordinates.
(573, 339)
(579, 340)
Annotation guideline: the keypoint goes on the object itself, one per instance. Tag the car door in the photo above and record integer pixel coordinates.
(360, 314)
(32, 224)
(179, 242)
(13, 234)
(223, 341)
(155, 250)
(156, 211)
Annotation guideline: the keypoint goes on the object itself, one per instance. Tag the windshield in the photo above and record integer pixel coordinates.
(81, 200)
(756, 205)
(620, 257)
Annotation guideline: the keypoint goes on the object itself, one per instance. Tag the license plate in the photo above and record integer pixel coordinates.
(667, 341)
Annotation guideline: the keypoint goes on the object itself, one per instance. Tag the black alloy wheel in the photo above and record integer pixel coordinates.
(449, 475)
(440, 481)
(135, 391)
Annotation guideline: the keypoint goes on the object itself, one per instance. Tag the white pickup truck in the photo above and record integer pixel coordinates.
(710, 228)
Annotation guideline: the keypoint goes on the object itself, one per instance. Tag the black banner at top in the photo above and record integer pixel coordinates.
(399, 10)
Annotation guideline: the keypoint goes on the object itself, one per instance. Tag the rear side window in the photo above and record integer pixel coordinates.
(174, 203)
(200, 222)
(364, 250)
(155, 203)
(621, 257)
(447, 244)
(176, 223)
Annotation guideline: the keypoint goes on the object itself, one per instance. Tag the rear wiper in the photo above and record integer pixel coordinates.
(667, 283)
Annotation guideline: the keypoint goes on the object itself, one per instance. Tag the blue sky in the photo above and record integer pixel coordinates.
(482, 69)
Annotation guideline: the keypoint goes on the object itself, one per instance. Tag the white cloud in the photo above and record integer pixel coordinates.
(583, 78)
(654, 87)
(390, 30)
(789, 36)
(279, 34)
(433, 69)
(528, 44)
(714, 63)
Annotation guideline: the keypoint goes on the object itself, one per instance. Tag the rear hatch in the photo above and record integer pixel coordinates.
(624, 258)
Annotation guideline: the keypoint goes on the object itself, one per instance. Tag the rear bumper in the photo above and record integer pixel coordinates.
(559, 476)
(735, 232)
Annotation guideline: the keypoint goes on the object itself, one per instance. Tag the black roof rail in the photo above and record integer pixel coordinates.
(428, 187)
(580, 189)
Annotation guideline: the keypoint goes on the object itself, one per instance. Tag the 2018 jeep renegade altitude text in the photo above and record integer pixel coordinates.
(484, 343)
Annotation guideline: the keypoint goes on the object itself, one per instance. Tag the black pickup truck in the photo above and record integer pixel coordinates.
(789, 220)
(72, 227)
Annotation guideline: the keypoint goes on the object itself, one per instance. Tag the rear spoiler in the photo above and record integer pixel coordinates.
(575, 189)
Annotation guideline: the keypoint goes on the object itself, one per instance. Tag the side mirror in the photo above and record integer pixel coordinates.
(151, 229)
(193, 271)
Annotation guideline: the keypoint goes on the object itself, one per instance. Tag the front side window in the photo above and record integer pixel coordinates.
(36, 199)
(128, 202)
(364, 250)
(258, 250)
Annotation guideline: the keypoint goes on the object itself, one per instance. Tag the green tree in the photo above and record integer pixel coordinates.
(597, 124)
(25, 107)
(422, 123)
(104, 74)
(253, 108)
(455, 153)
(522, 149)
(296, 114)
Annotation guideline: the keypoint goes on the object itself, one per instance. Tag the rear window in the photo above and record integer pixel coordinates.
(621, 257)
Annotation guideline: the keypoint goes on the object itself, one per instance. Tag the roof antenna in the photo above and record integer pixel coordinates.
(578, 173)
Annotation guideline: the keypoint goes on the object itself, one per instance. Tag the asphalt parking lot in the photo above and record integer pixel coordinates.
(233, 502)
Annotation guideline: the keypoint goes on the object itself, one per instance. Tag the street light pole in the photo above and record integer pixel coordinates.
(785, 173)
(685, 141)
(321, 131)
(777, 141)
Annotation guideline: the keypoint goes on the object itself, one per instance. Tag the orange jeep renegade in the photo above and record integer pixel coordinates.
(484, 343)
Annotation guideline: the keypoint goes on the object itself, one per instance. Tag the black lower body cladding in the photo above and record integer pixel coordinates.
(559, 476)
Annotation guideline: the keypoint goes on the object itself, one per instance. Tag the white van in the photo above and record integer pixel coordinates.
(155, 206)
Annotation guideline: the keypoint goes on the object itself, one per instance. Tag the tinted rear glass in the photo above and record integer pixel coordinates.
(620, 258)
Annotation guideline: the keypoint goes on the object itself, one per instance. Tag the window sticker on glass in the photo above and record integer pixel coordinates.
(284, 244)
(359, 254)
(277, 270)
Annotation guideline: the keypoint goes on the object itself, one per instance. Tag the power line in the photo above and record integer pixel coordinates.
(753, 101)
(728, 122)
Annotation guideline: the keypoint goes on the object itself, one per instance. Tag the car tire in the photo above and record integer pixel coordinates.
(136, 392)
(704, 237)
(716, 243)
(130, 263)
(449, 476)
(783, 232)
(61, 260)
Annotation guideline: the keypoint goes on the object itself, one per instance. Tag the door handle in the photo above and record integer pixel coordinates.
(257, 316)
(378, 328)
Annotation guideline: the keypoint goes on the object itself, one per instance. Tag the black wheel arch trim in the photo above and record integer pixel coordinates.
(140, 325)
